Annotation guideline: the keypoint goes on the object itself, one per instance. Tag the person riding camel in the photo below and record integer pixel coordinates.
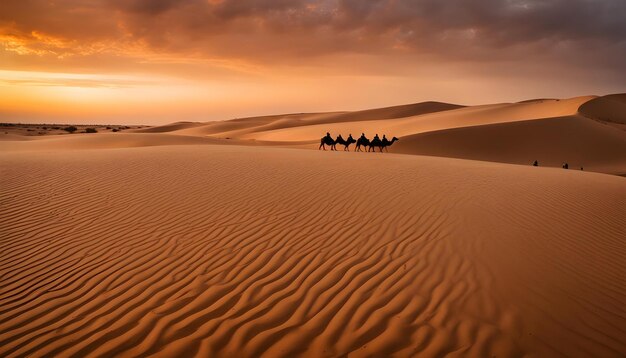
(376, 137)
(328, 135)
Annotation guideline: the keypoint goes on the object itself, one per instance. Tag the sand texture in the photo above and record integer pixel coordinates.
(168, 243)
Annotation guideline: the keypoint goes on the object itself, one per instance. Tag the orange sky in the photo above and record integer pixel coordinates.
(160, 61)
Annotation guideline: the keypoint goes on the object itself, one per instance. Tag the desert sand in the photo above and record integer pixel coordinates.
(227, 239)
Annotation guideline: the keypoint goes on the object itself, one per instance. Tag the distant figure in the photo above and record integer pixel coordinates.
(581, 168)
(565, 166)
(535, 163)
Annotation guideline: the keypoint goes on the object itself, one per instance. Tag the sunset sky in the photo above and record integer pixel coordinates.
(161, 61)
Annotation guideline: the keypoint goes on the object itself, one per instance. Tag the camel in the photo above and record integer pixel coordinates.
(327, 141)
(362, 142)
(381, 144)
(332, 143)
(388, 143)
(345, 142)
(376, 142)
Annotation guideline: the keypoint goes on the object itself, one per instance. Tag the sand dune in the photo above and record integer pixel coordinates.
(573, 139)
(454, 118)
(229, 251)
(610, 108)
(238, 128)
(247, 124)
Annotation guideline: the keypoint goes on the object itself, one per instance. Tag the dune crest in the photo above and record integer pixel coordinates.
(611, 108)
(178, 126)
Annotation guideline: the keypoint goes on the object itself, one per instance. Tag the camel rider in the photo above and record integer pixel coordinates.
(384, 137)
(328, 135)
(363, 136)
(376, 137)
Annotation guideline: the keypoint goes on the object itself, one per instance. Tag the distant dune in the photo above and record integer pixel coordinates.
(243, 126)
(454, 118)
(168, 127)
(552, 141)
(610, 108)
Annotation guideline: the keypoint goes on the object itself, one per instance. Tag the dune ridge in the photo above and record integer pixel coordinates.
(241, 126)
(168, 127)
(219, 250)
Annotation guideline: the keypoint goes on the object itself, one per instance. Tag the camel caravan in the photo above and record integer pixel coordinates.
(362, 142)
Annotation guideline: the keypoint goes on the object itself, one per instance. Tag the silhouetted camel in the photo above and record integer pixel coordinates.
(345, 142)
(381, 144)
(362, 141)
(376, 142)
(327, 140)
(387, 143)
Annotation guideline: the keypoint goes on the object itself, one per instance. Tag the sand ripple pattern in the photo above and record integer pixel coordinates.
(233, 251)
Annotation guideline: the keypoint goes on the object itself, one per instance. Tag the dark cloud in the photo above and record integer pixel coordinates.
(152, 7)
(291, 30)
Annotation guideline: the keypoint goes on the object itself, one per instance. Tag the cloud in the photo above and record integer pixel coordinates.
(573, 33)
(493, 21)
